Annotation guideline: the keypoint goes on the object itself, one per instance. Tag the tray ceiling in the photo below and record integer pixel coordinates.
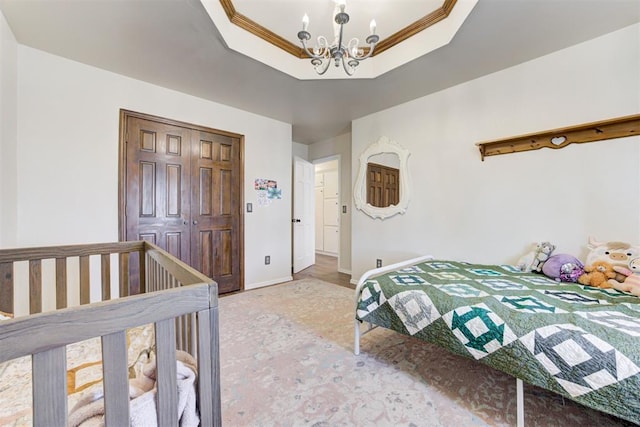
(266, 30)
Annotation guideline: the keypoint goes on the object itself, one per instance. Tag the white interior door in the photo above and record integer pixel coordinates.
(303, 219)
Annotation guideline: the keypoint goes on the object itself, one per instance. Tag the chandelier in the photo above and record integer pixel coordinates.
(349, 54)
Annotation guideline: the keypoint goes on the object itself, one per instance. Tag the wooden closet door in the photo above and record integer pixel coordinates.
(181, 188)
(157, 185)
(216, 206)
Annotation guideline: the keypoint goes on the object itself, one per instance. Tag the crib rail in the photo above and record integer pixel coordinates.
(45, 335)
(130, 256)
(181, 303)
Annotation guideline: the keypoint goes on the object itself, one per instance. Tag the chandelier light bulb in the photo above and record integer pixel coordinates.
(305, 22)
(372, 26)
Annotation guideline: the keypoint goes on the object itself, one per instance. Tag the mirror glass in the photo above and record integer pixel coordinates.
(382, 186)
(383, 180)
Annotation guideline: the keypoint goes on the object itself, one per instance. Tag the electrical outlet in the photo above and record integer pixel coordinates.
(378, 263)
(267, 260)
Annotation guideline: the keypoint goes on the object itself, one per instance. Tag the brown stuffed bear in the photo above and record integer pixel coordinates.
(597, 275)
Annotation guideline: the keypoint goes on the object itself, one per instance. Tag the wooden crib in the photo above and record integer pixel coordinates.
(153, 287)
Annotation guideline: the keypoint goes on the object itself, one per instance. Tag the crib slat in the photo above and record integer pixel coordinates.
(166, 373)
(49, 387)
(215, 355)
(6, 287)
(61, 283)
(35, 286)
(124, 275)
(85, 285)
(116, 384)
(105, 263)
(179, 330)
(205, 385)
(143, 270)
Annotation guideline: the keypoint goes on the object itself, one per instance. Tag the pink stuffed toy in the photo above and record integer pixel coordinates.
(632, 283)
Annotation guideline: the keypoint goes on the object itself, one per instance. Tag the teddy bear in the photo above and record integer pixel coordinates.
(597, 275)
(631, 283)
(615, 253)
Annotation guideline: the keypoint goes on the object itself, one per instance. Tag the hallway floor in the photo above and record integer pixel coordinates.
(325, 268)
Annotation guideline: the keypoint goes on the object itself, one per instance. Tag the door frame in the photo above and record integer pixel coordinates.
(122, 172)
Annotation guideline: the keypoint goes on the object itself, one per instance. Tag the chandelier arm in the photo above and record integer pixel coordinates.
(324, 68)
(311, 54)
(346, 70)
(371, 47)
(372, 40)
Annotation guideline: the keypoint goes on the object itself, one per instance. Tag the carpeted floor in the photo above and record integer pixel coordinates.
(287, 360)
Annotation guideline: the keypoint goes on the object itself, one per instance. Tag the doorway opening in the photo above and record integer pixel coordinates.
(327, 231)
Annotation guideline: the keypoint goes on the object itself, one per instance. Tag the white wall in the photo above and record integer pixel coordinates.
(68, 118)
(340, 146)
(466, 209)
(8, 134)
(300, 150)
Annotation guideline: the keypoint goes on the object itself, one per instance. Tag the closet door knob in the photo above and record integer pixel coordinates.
(195, 222)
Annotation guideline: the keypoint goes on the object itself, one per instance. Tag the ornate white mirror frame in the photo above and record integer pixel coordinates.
(383, 145)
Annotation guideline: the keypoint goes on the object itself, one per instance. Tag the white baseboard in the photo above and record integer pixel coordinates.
(268, 282)
(332, 254)
(344, 270)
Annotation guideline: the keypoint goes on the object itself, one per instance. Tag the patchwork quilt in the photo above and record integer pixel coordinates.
(575, 340)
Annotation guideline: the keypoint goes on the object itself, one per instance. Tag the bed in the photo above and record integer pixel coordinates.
(578, 341)
(107, 296)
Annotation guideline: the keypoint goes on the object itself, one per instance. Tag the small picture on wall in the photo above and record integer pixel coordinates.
(265, 184)
(267, 190)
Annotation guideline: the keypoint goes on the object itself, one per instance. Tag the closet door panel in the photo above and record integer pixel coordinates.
(157, 204)
(331, 211)
(216, 199)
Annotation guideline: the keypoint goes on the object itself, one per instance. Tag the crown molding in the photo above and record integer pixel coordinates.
(269, 36)
(418, 26)
(259, 31)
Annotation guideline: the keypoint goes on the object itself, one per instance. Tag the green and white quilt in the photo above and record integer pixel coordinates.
(578, 341)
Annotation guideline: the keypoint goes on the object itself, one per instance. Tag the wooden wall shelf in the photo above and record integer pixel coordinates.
(559, 138)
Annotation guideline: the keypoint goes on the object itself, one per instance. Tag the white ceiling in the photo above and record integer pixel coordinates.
(174, 43)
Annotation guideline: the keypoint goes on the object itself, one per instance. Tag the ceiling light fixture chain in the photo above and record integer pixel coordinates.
(348, 55)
